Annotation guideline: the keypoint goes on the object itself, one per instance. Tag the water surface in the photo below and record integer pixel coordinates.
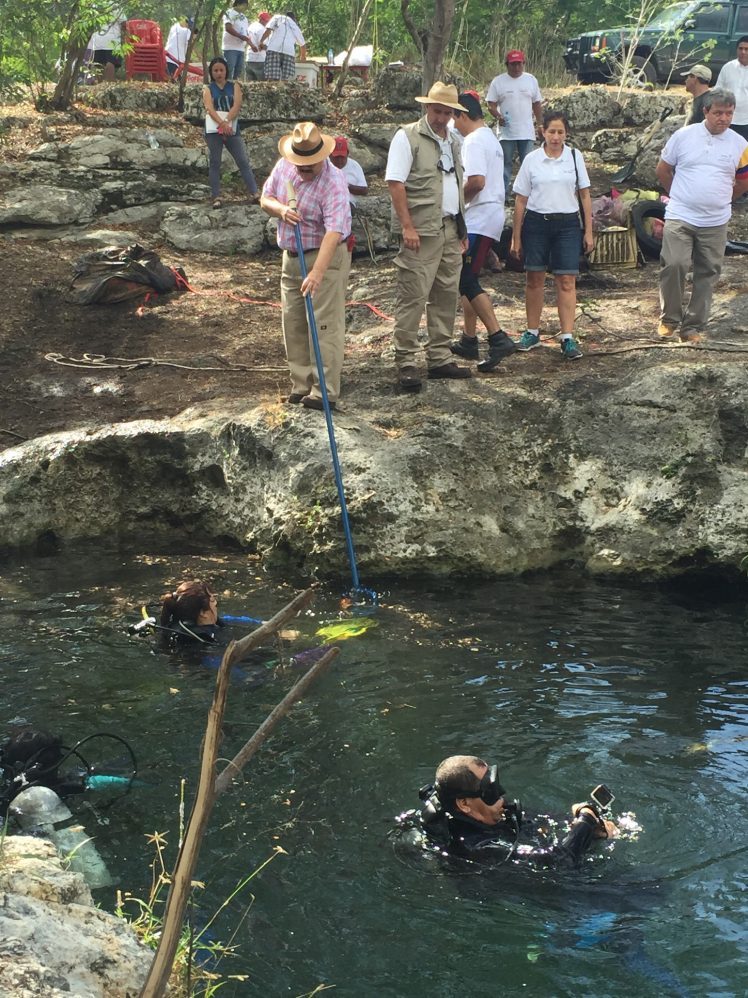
(562, 681)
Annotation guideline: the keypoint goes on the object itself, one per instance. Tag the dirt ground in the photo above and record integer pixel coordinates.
(64, 366)
(231, 324)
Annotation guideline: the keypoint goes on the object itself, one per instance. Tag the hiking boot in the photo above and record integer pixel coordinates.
(295, 397)
(690, 336)
(570, 349)
(527, 341)
(409, 379)
(450, 370)
(499, 346)
(312, 402)
(466, 347)
(665, 330)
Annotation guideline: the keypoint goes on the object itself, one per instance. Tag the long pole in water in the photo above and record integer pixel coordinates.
(325, 400)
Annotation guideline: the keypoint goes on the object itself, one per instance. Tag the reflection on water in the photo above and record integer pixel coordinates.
(562, 681)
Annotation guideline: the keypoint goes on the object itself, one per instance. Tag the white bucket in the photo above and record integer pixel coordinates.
(307, 73)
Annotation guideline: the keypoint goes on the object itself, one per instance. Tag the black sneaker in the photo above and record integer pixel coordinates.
(466, 347)
(499, 346)
(450, 370)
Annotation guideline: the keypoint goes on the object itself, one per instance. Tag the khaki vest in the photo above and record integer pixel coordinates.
(424, 184)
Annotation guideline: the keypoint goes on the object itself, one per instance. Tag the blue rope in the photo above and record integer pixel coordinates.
(330, 428)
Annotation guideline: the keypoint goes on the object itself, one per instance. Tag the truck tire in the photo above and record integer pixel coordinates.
(645, 67)
(639, 211)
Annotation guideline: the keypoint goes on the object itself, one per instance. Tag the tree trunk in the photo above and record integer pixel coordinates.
(64, 92)
(433, 41)
(437, 41)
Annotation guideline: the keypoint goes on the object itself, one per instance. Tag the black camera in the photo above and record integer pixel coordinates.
(602, 796)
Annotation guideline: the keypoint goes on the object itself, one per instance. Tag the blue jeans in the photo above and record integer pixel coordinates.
(523, 147)
(235, 59)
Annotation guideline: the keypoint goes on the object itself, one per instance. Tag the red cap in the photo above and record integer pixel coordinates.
(341, 147)
(515, 55)
(263, 17)
(473, 93)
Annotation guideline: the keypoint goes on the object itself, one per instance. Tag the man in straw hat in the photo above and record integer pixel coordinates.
(424, 176)
(323, 212)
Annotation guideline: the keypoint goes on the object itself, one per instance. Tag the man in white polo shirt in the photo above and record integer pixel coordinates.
(734, 77)
(357, 185)
(703, 168)
(514, 99)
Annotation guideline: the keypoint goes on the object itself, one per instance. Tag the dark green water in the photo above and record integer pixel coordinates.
(562, 681)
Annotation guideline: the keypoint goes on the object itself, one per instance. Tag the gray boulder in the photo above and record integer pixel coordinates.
(641, 108)
(225, 231)
(130, 96)
(372, 215)
(265, 102)
(38, 204)
(588, 108)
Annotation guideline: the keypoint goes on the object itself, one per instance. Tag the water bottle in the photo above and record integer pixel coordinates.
(330, 57)
(152, 140)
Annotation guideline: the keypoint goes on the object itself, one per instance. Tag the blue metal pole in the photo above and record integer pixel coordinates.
(328, 417)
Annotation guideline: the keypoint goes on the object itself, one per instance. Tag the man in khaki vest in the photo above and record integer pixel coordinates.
(424, 175)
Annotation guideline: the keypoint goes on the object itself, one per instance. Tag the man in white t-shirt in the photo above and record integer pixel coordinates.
(254, 67)
(102, 45)
(514, 99)
(176, 44)
(424, 177)
(357, 186)
(235, 38)
(703, 168)
(734, 77)
(483, 166)
(282, 35)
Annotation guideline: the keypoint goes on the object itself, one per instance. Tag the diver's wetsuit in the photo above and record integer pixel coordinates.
(465, 837)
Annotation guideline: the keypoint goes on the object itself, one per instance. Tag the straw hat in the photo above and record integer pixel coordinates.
(442, 93)
(306, 145)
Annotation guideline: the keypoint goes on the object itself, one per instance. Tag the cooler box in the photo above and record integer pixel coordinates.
(307, 73)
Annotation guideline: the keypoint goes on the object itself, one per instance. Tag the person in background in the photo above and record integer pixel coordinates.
(698, 81)
(734, 77)
(547, 229)
(282, 35)
(176, 44)
(323, 214)
(703, 168)
(222, 99)
(255, 64)
(514, 99)
(483, 166)
(235, 38)
(354, 175)
(424, 177)
(102, 44)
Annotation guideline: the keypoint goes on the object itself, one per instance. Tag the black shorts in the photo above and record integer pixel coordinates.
(104, 56)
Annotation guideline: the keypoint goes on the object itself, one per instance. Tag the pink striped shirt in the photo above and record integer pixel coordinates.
(322, 203)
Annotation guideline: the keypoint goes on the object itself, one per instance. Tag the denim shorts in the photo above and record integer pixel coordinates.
(552, 244)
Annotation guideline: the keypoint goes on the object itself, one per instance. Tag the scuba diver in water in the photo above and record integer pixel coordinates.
(191, 612)
(467, 814)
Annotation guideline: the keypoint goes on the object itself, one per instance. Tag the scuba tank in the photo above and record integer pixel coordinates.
(39, 811)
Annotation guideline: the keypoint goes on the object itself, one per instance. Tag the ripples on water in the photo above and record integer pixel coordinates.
(563, 681)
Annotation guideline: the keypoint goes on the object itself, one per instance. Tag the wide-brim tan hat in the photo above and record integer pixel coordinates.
(306, 145)
(442, 93)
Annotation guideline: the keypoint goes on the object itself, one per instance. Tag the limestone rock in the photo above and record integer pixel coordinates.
(589, 108)
(130, 96)
(373, 213)
(640, 109)
(234, 229)
(53, 942)
(101, 237)
(264, 102)
(398, 87)
(38, 204)
(647, 474)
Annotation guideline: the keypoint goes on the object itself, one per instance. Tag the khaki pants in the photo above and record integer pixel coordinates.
(684, 245)
(428, 279)
(329, 313)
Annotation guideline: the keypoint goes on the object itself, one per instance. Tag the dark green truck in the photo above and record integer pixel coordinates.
(682, 34)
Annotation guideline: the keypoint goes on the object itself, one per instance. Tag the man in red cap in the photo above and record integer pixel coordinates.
(254, 67)
(354, 175)
(514, 99)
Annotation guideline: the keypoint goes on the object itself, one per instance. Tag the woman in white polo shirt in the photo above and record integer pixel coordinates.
(547, 228)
